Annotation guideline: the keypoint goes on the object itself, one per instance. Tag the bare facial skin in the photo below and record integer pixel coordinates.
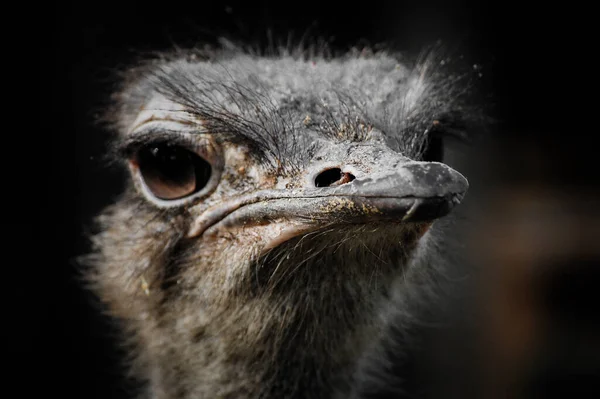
(276, 206)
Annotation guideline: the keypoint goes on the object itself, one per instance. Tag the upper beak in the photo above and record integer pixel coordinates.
(413, 191)
(396, 190)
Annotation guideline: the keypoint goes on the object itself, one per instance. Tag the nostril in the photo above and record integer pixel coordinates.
(333, 177)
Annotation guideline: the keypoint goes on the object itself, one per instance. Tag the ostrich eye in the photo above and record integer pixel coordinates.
(433, 150)
(171, 171)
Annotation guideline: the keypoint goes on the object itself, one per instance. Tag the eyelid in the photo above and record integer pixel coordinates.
(196, 142)
(195, 137)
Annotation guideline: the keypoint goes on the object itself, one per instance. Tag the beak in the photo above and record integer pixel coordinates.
(414, 191)
(396, 190)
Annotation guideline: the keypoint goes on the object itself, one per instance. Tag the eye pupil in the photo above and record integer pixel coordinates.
(171, 171)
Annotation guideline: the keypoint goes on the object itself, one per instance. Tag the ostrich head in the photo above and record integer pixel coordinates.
(274, 203)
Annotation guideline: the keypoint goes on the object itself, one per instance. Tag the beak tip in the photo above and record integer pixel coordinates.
(457, 198)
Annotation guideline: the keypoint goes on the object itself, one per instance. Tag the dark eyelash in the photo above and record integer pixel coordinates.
(126, 147)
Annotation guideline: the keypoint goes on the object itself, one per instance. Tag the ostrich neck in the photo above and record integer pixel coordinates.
(302, 345)
(298, 340)
(290, 326)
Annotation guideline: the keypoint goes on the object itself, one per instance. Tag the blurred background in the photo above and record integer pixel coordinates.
(536, 228)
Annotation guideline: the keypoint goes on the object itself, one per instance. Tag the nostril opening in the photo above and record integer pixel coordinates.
(333, 177)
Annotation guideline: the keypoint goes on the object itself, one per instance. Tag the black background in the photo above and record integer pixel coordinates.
(537, 65)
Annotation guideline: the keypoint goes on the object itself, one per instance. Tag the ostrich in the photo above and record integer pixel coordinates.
(281, 210)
